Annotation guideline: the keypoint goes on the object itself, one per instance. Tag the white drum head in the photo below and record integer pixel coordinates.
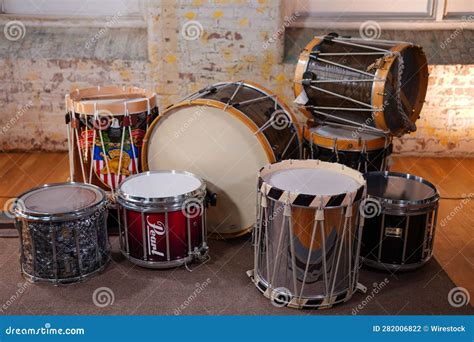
(160, 185)
(318, 182)
(218, 147)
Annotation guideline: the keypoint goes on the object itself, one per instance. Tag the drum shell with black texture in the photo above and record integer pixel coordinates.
(64, 249)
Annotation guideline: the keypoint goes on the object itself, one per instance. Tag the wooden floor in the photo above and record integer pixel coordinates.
(454, 178)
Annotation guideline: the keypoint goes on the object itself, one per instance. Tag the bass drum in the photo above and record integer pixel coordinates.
(224, 134)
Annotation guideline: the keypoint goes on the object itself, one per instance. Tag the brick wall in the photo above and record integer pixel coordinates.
(235, 39)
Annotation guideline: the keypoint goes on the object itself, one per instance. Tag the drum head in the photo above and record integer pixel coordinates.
(400, 187)
(160, 184)
(318, 182)
(219, 146)
(61, 198)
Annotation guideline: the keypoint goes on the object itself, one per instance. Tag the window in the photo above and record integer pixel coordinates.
(72, 8)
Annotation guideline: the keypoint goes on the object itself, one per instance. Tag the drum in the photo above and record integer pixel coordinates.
(400, 221)
(308, 233)
(224, 133)
(63, 234)
(377, 84)
(162, 218)
(106, 126)
(361, 150)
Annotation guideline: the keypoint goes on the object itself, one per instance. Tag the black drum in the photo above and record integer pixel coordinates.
(400, 220)
(361, 150)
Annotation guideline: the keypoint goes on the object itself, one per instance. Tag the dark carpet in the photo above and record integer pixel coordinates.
(218, 287)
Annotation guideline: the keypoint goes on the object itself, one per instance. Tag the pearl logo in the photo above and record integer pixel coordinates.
(154, 231)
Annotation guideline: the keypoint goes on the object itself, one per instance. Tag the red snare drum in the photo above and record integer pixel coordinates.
(162, 218)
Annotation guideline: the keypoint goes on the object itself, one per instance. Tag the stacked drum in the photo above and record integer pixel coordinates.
(358, 94)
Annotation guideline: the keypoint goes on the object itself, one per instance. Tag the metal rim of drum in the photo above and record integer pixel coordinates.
(68, 216)
(136, 100)
(159, 204)
(342, 144)
(314, 302)
(405, 206)
(280, 195)
(377, 95)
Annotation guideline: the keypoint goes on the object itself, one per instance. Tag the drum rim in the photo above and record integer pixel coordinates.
(402, 203)
(66, 216)
(74, 101)
(157, 202)
(317, 139)
(311, 200)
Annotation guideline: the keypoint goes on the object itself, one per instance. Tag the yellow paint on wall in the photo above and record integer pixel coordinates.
(190, 15)
(267, 65)
(243, 22)
(125, 74)
(218, 14)
(227, 54)
(249, 58)
(170, 59)
(280, 78)
(262, 2)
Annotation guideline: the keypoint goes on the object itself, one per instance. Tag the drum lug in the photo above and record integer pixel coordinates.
(210, 199)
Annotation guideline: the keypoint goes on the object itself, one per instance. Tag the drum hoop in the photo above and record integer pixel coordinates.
(301, 67)
(67, 216)
(373, 144)
(74, 101)
(392, 203)
(311, 200)
(215, 104)
(159, 202)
